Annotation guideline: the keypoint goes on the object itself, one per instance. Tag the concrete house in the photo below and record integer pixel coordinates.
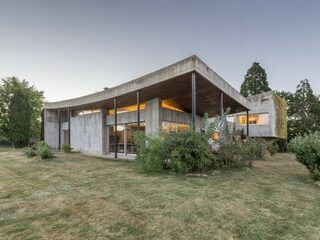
(267, 117)
(173, 98)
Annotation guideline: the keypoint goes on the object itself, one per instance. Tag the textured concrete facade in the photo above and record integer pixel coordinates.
(51, 128)
(153, 116)
(262, 104)
(86, 133)
(89, 129)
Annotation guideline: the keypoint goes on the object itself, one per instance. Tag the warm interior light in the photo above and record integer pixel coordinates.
(169, 105)
(255, 119)
(130, 108)
(174, 127)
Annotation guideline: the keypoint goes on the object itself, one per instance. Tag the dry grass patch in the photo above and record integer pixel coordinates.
(79, 197)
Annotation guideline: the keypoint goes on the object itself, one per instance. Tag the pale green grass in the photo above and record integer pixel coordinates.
(80, 197)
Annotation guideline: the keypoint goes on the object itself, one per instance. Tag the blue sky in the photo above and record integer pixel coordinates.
(70, 48)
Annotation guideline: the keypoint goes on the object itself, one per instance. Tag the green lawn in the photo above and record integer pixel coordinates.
(80, 197)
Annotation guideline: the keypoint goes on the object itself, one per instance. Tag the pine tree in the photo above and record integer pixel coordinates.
(255, 81)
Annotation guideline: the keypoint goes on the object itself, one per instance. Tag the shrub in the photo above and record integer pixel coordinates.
(180, 152)
(43, 150)
(307, 150)
(152, 153)
(30, 151)
(4, 142)
(240, 153)
(272, 148)
(66, 148)
(282, 145)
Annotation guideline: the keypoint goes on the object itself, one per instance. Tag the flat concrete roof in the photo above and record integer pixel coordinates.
(173, 83)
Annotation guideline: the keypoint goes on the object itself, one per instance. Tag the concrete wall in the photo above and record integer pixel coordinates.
(86, 133)
(262, 103)
(179, 117)
(153, 116)
(51, 128)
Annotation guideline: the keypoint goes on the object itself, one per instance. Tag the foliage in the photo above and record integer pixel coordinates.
(43, 150)
(8, 88)
(4, 142)
(152, 153)
(255, 81)
(307, 150)
(303, 110)
(281, 116)
(181, 152)
(66, 148)
(19, 115)
(240, 153)
(30, 151)
(272, 148)
(282, 145)
(190, 152)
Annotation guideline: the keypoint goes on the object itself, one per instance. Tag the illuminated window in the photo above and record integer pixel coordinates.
(254, 119)
(130, 108)
(167, 104)
(174, 127)
(85, 112)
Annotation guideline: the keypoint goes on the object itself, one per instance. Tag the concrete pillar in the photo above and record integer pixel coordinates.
(153, 116)
(115, 128)
(221, 104)
(138, 109)
(104, 130)
(69, 127)
(248, 124)
(125, 139)
(59, 129)
(193, 99)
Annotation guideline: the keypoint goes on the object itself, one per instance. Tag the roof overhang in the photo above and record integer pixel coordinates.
(172, 83)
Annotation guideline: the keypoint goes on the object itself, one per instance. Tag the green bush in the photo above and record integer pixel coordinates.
(30, 151)
(180, 152)
(272, 148)
(307, 150)
(282, 145)
(239, 153)
(43, 150)
(152, 153)
(66, 148)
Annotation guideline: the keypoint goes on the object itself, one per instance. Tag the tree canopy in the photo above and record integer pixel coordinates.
(20, 107)
(255, 81)
(303, 110)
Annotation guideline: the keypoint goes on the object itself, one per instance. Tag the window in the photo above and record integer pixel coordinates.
(125, 137)
(254, 119)
(85, 112)
(174, 127)
(130, 108)
(169, 104)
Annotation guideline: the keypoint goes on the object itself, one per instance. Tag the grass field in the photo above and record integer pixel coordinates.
(79, 197)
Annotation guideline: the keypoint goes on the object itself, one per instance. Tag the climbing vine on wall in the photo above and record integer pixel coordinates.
(281, 106)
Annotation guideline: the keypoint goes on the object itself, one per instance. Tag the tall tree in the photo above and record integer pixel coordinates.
(303, 110)
(19, 115)
(8, 87)
(255, 81)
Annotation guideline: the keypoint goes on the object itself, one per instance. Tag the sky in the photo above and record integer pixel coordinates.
(70, 48)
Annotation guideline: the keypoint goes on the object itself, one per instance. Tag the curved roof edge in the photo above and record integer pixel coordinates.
(192, 63)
